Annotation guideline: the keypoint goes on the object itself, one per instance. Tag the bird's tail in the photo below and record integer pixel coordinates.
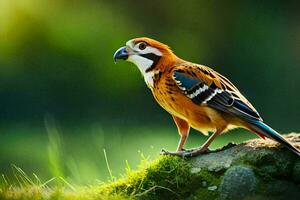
(263, 129)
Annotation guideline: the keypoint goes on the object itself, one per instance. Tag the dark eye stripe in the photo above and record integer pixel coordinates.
(151, 56)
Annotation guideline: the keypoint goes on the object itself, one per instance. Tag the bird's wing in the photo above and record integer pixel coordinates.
(204, 86)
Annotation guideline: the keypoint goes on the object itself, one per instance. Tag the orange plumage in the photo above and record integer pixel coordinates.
(196, 96)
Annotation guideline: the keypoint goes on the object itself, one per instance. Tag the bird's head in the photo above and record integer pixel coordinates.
(147, 54)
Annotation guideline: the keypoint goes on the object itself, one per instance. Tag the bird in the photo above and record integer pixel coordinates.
(195, 95)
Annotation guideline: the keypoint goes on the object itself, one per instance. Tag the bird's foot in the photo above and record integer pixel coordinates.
(174, 153)
(194, 149)
(186, 153)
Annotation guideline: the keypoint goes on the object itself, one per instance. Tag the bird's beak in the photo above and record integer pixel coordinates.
(121, 53)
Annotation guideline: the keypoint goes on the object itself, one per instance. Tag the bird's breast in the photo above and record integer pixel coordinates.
(176, 103)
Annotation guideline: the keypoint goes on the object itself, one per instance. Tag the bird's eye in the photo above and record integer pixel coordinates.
(142, 46)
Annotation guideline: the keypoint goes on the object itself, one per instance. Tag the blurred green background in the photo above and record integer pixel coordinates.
(63, 100)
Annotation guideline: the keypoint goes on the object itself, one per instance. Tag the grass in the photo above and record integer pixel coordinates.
(147, 182)
(76, 154)
(22, 186)
(95, 162)
(165, 177)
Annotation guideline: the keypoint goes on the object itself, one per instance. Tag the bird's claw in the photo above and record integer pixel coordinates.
(185, 153)
(176, 153)
(165, 152)
(198, 149)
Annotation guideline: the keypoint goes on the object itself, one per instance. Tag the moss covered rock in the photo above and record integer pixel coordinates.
(256, 169)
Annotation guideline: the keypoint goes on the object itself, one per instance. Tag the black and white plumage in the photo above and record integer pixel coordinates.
(223, 98)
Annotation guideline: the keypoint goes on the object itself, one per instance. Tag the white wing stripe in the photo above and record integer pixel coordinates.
(198, 91)
(212, 95)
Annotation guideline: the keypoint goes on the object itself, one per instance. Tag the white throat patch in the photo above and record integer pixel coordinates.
(142, 63)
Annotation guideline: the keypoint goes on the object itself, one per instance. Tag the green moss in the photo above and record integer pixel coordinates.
(165, 177)
(296, 172)
(204, 193)
(207, 180)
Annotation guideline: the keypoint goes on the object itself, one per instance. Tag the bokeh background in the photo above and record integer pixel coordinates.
(63, 100)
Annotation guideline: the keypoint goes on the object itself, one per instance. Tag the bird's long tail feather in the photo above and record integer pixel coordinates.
(263, 129)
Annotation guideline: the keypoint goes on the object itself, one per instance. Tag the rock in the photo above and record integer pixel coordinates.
(214, 162)
(281, 189)
(238, 182)
(257, 169)
(296, 172)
